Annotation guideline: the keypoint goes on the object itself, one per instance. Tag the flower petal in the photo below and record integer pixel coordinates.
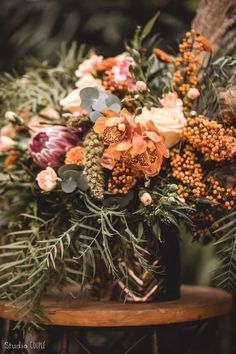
(153, 136)
(139, 145)
(113, 121)
(124, 145)
(99, 126)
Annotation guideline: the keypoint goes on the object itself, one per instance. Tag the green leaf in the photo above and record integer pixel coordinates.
(149, 26)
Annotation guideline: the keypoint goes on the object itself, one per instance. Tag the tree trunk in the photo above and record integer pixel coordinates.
(216, 20)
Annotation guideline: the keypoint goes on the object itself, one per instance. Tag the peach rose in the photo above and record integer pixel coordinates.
(141, 86)
(47, 179)
(193, 93)
(146, 199)
(6, 143)
(170, 121)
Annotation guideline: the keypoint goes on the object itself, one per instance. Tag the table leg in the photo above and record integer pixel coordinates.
(65, 343)
(154, 342)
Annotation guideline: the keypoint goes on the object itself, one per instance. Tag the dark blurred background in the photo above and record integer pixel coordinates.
(38, 27)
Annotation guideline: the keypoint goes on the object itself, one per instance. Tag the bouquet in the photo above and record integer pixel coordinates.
(103, 160)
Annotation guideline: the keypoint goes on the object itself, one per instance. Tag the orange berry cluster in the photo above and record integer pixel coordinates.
(187, 169)
(110, 84)
(188, 64)
(203, 223)
(223, 195)
(231, 130)
(209, 137)
(122, 179)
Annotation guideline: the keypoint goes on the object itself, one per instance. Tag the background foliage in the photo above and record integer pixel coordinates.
(38, 27)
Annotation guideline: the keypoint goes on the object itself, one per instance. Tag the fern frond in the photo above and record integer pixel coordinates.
(226, 233)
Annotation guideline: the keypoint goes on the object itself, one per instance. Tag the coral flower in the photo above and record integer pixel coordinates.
(75, 156)
(140, 146)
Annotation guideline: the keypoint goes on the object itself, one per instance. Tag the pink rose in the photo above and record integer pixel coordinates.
(47, 179)
(141, 86)
(193, 93)
(146, 199)
(6, 143)
(172, 101)
(107, 161)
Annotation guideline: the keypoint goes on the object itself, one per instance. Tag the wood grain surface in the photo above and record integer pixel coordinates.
(196, 303)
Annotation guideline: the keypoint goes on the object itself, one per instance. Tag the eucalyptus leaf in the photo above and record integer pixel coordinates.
(69, 185)
(94, 116)
(69, 167)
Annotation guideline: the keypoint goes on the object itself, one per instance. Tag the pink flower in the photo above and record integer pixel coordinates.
(107, 160)
(172, 101)
(146, 199)
(141, 86)
(49, 145)
(89, 65)
(6, 143)
(193, 93)
(47, 179)
(121, 70)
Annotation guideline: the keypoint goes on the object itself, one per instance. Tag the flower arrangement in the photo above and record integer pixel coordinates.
(102, 160)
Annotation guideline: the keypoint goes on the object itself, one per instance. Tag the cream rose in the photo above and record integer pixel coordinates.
(169, 120)
(72, 101)
(47, 179)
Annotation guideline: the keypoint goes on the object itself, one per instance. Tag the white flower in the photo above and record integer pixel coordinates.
(89, 65)
(170, 121)
(88, 81)
(10, 116)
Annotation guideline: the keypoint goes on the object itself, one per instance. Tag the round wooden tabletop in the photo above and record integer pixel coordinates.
(196, 303)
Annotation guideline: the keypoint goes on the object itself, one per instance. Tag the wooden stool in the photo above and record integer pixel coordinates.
(196, 305)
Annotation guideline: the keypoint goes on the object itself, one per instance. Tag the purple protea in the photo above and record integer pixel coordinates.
(49, 145)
